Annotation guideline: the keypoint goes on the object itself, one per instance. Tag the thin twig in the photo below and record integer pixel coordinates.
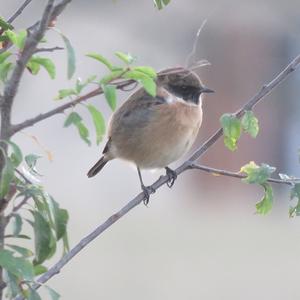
(48, 49)
(192, 54)
(239, 175)
(19, 11)
(163, 179)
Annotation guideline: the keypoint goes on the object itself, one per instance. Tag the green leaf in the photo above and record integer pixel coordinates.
(17, 224)
(161, 3)
(158, 4)
(265, 205)
(21, 37)
(52, 293)
(39, 269)
(295, 193)
(98, 121)
(18, 266)
(12, 36)
(5, 68)
(232, 130)
(4, 56)
(18, 39)
(113, 75)
(65, 93)
(60, 217)
(146, 70)
(110, 95)
(4, 25)
(42, 238)
(33, 67)
(76, 120)
(31, 161)
(44, 62)
(66, 246)
(12, 282)
(16, 156)
(33, 294)
(147, 82)
(7, 176)
(126, 58)
(250, 124)
(102, 59)
(257, 174)
(20, 236)
(23, 251)
(73, 118)
(71, 56)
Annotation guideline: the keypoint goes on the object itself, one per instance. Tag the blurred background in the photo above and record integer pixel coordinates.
(201, 239)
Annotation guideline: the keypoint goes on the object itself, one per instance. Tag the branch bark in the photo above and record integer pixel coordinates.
(19, 11)
(220, 172)
(187, 165)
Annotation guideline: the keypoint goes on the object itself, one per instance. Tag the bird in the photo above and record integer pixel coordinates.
(154, 131)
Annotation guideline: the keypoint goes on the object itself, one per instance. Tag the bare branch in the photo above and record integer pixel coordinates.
(48, 49)
(19, 11)
(187, 165)
(218, 172)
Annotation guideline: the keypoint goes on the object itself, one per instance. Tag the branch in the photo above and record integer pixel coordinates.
(266, 89)
(218, 172)
(62, 108)
(48, 49)
(19, 11)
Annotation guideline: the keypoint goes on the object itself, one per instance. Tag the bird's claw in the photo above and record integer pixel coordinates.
(148, 190)
(172, 176)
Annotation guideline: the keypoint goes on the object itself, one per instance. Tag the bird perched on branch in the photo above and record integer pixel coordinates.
(153, 132)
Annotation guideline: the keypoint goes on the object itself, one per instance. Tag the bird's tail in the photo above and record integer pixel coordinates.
(97, 167)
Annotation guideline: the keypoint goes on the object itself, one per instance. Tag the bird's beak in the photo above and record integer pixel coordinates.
(206, 90)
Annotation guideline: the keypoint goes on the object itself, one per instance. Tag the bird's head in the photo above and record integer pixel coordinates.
(183, 83)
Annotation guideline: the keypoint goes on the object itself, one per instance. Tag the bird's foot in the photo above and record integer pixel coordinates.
(148, 190)
(172, 176)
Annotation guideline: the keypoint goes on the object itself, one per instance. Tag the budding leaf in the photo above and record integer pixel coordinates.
(265, 205)
(250, 124)
(232, 130)
(257, 174)
(98, 121)
(110, 95)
